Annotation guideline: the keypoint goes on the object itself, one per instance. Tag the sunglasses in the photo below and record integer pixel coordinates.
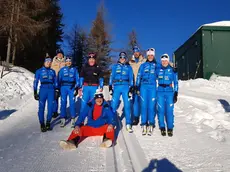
(92, 55)
(123, 56)
(164, 57)
(151, 49)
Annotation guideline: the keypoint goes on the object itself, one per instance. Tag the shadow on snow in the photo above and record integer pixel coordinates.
(6, 113)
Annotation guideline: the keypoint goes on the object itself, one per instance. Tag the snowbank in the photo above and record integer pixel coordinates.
(14, 87)
(205, 103)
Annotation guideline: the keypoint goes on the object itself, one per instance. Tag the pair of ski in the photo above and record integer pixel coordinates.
(71, 145)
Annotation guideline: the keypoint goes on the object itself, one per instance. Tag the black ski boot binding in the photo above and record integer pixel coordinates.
(48, 127)
(170, 132)
(55, 115)
(163, 131)
(136, 121)
(43, 128)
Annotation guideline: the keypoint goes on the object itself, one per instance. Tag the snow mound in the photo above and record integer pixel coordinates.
(205, 104)
(15, 85)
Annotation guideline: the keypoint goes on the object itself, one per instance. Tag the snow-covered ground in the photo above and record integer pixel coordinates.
(201, 140)
(15, 88)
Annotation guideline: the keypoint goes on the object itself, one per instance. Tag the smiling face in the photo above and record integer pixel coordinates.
(150, 58)
(99, 101)
(165, 63)
(122, 60)
(136, 54)
(68, 63)
(60, 56)
(47, 64)
(91, 61)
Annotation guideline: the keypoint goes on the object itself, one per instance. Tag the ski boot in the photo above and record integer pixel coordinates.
(129, 128)
(150, 129)
(43, 128)
(68, 145)
(144, 130)
(48, 127)
(170, 132)
(55, 115)
(73, 122)
(62, 122)
(106, 143)
(163, 131)
(136, 121)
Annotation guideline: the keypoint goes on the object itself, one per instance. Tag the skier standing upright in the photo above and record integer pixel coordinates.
(135, 62)
(48, 83)
(91, 78)
(167, 93)
(68, 80)
(146, 85)
(121, 83)
(57, 63)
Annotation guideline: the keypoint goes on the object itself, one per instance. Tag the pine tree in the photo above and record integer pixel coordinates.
(132, 42)
(99, 40)
(77, 40)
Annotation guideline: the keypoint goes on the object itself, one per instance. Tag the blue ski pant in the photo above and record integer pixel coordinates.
(88, 95)
(55, 106)
(118, 91)
(67, 91)
(148, 104)
(136, 105)
(165, 108)
(45, 94)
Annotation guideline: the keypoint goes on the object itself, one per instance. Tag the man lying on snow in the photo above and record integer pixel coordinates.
(100, 122)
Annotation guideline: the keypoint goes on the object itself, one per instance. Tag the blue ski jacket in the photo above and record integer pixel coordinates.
(68, 76)
(107, 116)
(147, 73)
(122, 74)
(47, 78)
(167, 79)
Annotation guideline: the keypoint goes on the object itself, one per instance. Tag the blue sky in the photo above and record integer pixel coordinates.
(161, 24)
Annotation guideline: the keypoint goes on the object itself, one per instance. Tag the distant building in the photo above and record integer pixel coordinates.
(206, 52)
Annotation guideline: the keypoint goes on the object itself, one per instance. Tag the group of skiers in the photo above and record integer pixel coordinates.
(147, 88)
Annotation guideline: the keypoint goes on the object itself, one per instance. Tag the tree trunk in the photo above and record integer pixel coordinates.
(10, 35)
(15, 34)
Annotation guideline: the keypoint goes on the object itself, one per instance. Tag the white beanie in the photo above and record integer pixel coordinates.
(150, 51)
(165, 57)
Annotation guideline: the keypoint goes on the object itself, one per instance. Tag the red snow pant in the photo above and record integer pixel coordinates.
(86, 131)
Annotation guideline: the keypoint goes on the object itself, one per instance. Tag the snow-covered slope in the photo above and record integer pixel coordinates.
(201, 140)
(14, 87)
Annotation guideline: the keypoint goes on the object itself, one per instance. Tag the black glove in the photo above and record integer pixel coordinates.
(111, 90)
(57, 94)
(131, 91)
(175, 97)
(76, 92)
(137, 90)
(36, 96)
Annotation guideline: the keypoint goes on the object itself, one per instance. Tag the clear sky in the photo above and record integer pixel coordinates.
(161, 24)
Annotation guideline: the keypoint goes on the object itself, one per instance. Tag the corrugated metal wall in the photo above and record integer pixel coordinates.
(216, 52)
(189, 58)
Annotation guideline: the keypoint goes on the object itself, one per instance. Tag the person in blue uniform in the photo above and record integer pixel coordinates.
(68, 80)
(146, 86)
(121, 83)
(91, 79)
(47, 92)
(167, 93)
